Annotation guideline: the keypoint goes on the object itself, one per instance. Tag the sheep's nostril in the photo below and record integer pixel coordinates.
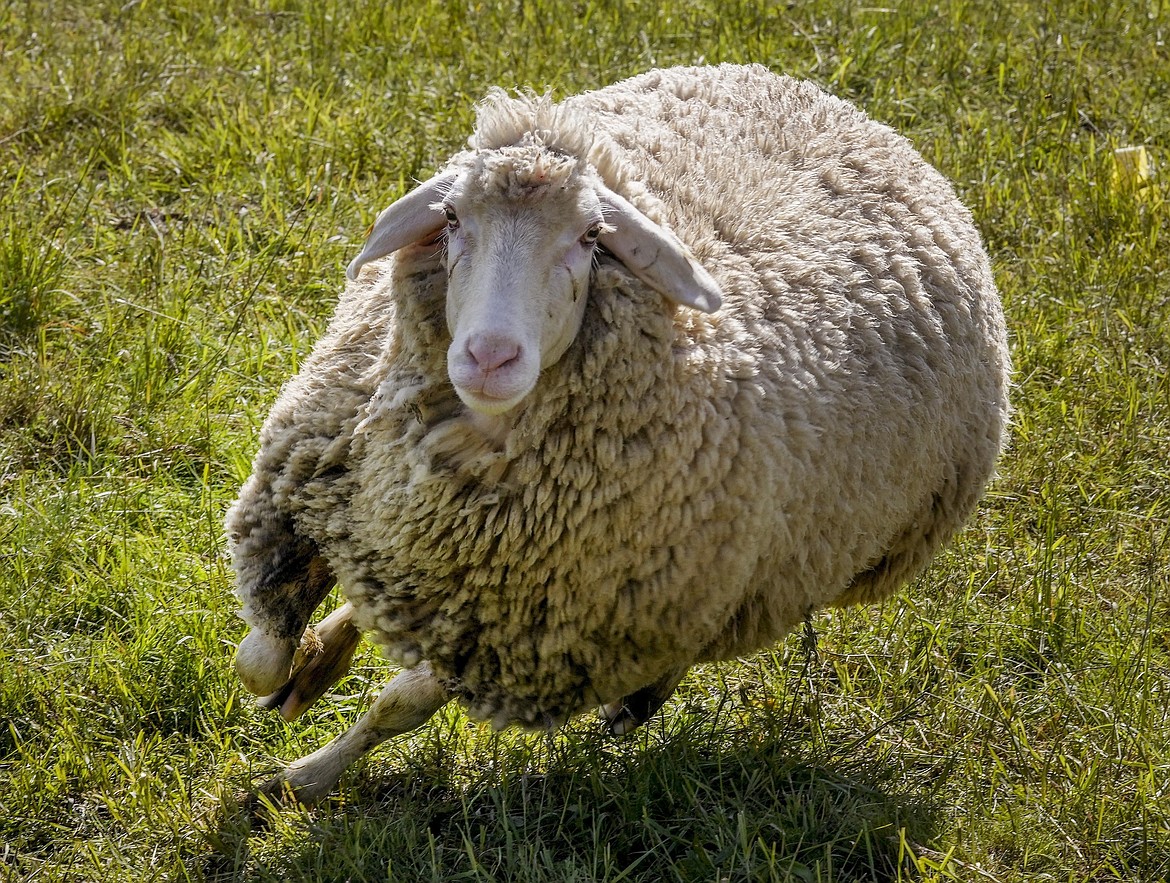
(490, 351)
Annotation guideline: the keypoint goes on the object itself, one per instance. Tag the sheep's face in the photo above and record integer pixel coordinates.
(522, 224)
(522, 228)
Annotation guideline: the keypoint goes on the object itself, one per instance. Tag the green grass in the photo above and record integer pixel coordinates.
(181, 184)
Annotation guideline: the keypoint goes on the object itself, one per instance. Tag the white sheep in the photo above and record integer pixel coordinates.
(650, 375)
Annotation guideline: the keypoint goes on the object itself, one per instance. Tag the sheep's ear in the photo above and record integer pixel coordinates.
(656, 256)
(410, 219)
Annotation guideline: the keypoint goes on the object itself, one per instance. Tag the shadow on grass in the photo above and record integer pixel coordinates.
(691, 799)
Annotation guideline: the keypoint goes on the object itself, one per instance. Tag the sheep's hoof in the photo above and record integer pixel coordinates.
(304, 782)
(262, 805)
(637, 708)
(263, 661)
(618, 719)
(632, 711)
(321, 660)
(280, 791)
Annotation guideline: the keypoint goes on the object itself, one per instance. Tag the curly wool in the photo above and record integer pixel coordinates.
(678, 487)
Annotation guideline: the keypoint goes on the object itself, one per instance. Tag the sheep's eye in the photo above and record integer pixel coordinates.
(591, 235)
(452, 218)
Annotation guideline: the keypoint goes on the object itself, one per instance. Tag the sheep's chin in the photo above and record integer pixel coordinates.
(489, 406)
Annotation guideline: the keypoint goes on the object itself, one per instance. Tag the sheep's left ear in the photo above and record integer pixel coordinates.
(404, 222)
(655, 255)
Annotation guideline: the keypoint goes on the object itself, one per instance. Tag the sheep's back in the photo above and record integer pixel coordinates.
(861, 285)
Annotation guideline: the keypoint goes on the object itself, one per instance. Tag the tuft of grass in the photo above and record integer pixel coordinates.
(181, 185)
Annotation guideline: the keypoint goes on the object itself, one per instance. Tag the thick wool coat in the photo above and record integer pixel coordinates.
(678, 487)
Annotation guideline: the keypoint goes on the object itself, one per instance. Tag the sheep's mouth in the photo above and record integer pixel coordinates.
(483, 402)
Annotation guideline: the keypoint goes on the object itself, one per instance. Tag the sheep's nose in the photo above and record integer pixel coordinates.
(492, 351)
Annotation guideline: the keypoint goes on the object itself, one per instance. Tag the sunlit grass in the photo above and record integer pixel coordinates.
(182, 184)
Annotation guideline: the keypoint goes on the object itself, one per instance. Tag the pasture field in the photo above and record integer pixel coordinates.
(181, 185)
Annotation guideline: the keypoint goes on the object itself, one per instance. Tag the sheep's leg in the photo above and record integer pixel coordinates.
(406, 702)
(279, 608)
(264, 659)
(634, 710)
(282, 579)
(320, 662)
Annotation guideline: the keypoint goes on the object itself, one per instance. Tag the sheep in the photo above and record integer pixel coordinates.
(639, 380)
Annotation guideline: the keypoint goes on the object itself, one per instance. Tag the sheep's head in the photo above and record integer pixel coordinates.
(523, 225)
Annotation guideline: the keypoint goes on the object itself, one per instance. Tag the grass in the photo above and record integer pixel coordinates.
(181, 184)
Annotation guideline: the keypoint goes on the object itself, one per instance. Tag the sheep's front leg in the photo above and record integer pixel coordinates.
(323, 657)
(278, 610)
(281, 578)
(634, 710)
(405, 703)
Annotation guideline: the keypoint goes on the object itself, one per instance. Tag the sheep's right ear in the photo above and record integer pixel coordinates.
(406, 221)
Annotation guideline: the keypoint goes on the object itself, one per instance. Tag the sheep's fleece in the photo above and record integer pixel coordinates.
(678, 487)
